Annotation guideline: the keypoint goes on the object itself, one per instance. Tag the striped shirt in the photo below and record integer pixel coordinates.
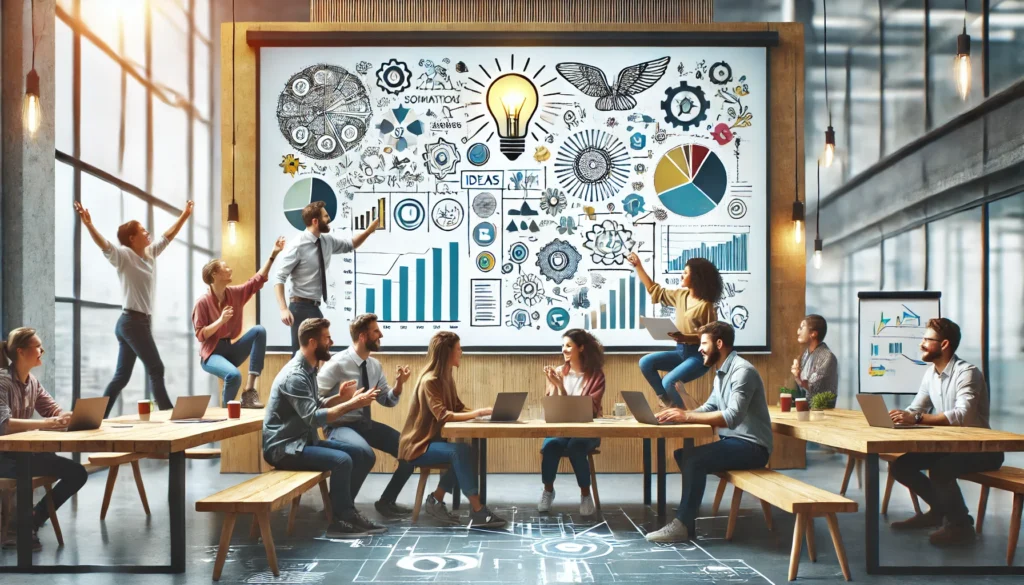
(19, 400)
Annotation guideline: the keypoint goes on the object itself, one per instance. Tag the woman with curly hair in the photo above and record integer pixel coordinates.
(695, 305)
(579, 375)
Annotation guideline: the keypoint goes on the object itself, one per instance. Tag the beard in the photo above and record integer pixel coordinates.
(930, 356)
(711, 358)
(325, 227)
(373, 345)
(323, 353)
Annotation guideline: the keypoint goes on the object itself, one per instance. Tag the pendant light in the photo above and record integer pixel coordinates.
(962, 63)
(32, 111)
(232, 207)
(830, 135)
(798, 206)
(817, 225)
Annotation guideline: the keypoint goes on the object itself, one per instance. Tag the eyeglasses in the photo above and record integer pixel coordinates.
(923, 339)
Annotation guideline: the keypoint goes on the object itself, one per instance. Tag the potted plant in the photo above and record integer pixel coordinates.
(821, 402)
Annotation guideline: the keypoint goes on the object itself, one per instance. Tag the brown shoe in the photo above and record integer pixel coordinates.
(927, 520)
(251, 399)
(10, 540)
(952, 534)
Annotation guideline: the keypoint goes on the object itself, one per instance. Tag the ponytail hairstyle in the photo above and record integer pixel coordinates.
(19, 338)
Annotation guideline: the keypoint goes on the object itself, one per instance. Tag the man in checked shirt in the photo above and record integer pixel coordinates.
(816, 370)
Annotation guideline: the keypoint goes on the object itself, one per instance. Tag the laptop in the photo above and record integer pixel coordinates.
(507, 408)
(189, 409)
(640, 409)
(86, 416)
(877, 413)
(568, 409)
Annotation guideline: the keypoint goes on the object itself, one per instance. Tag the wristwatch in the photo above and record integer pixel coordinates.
(917, 418)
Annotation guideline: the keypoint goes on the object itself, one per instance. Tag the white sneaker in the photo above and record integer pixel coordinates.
(674, 531)
(587, 506)
(546, 498)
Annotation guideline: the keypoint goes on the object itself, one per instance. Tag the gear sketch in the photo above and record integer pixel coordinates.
(528, 290)
(558, 260)
(685, 106)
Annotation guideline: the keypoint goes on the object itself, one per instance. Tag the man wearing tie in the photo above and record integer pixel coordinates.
(306, 260)
(356, 430)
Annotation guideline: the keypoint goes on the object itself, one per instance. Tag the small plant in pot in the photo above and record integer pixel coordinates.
(820, 403)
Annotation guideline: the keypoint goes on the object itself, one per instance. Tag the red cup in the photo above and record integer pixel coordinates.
(234, 409)
(145, 408)
(802, 405)
(785, 402)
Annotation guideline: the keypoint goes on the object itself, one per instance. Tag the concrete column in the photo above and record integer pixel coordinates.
(28, 182)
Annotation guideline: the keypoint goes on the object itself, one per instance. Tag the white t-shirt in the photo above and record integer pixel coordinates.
(137, 274)
(573, 384)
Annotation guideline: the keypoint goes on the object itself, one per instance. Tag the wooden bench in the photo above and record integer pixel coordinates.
(1006, 478)
(8, 487)
(260, 496)
(795, 497)
(113, 461)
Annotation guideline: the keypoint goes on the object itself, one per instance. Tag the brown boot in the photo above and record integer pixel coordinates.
(952, 534)
(929, 519)
(251, 399)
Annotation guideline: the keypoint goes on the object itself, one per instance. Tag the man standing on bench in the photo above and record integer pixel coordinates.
(957, 390)
(295, 412)
(738, 408)
(360, 433)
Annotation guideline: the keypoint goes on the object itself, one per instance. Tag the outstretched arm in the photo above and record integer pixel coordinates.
(278, 246)
(634, 260)
(174, 229)
(359, 239)
(97, 237)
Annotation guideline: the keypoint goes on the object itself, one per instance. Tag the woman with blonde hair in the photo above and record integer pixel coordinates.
(21, 394)
(580, 375)
(436, 402)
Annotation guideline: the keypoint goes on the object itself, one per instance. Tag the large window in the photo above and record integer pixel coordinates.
(1006, 303)
(138, 149)
(954, 268)
(904, 261)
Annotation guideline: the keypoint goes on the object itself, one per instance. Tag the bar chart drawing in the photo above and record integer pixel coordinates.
(626, 302)
(363, 220)
(410, 293)
(727, 250)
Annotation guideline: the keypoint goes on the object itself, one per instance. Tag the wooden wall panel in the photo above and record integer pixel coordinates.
(513, 11)
(483, 376)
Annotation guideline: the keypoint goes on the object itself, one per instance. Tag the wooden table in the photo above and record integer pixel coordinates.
(847, 429)
(608, 428)
(124, 434)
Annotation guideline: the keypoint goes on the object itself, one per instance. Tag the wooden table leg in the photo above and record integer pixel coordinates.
(225, 544)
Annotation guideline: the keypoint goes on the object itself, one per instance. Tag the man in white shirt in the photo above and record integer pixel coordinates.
(357, 430)
(306, 261)
(135, 261)
(956, 391)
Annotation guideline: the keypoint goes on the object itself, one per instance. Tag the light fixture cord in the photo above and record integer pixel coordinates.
(233, 123)
(33, 15)
(828, 106)
(965, 17)
(817, 208)
(796, 149)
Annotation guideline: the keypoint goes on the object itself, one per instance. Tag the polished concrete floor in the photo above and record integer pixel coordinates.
(559, 548)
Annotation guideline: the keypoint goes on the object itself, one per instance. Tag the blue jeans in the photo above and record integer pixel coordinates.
(379, 436)
(226, 358)
(684, 364)
(727, 454)
(576, 450)
(70, 476)
(301, 312)
(462, 460)
(134, 333)
(939, 488)
(348, 471)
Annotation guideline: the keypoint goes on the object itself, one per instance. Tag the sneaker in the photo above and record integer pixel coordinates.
(546, 498)
(484, 518)
(360, 521)
(951, 534)
(674, 531)
(343, 529)
(251, 399)
(440, 511)
(929, 519)
(10, 540)
(587, 506)
(391, 509)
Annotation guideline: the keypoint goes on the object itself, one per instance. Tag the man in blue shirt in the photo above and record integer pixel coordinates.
(295, 412)
(737, 407)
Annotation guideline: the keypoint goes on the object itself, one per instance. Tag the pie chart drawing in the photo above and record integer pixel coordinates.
(690, 180)
(304, 192)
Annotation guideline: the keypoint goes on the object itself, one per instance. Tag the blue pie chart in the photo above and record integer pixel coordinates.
(304, 192)
(690, 180)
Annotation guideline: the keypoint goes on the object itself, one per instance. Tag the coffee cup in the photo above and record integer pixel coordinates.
(802, 405)
(620, 409)
(785, 402)
(145, 409)
(234, 409)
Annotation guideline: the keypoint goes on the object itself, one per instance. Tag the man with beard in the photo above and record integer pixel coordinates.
(957, 391)
(306, 260)
(360, 433)
(738, 408)
(295, 412)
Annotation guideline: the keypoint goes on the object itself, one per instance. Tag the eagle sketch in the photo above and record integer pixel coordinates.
(632, 80)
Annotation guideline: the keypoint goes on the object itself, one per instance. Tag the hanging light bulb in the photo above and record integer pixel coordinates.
(32, 111)
(232, 221)
(829, 154)
(233, 207)
(817, 224)
(798, 221)
(830, 147)
(962, 63)
(817, 253)
(512, 100)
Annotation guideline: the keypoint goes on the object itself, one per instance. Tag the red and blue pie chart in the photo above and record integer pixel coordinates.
(304, 192)
(690, 180)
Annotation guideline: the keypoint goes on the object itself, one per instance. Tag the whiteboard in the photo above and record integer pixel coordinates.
(509, 242)
(891, 325)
